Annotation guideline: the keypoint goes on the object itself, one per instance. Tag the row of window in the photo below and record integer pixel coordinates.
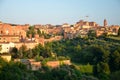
(7, 32)
(6, 39)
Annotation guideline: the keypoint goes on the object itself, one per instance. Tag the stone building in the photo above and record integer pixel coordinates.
(6, 57)
(105, 23)
(12, 33)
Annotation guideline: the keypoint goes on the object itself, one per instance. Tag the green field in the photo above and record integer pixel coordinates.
(115, 38)
(88, 69)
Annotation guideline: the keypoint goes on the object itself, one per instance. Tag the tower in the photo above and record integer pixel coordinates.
(105, 22)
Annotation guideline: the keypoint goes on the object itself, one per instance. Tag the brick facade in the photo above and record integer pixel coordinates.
(10, 32)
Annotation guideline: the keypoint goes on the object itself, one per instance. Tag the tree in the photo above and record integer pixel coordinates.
(99, 54)
(38, 50)
(66, 72)
(101, 70)
(119, 32)
(22, 52)
(14, 52)
(46, 52)
(31, 31)
(20, 71)
(77, 48)
(115, 61)
(30, 53)
(115, 75)
(92, 55)
(39, 32)
(91, 34)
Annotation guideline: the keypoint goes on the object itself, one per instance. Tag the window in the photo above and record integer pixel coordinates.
(1, 32)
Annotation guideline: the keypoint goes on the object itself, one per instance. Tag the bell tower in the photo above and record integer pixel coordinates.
(105, 23)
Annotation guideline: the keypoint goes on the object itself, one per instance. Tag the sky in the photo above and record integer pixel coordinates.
(57, 12)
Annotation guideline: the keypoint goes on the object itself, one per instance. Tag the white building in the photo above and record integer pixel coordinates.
(5, 47)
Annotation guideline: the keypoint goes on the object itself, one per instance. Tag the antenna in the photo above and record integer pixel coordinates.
(84, 18)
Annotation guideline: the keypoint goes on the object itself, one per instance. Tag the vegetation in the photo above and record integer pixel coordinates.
(119, 32)
(85, 69)
(31, 33)
(14, 71)
(64, 72)
(115, 75)
(102, 53)
(93, 58)
(114, 38)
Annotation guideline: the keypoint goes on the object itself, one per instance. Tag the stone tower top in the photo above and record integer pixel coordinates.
(105, 22)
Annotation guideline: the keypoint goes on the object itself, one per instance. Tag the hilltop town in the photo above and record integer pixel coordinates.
(59, 39)
(47, 48)
(14, 35)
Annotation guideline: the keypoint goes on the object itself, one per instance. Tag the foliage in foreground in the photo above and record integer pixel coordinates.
(103, 53)
(17, 71)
